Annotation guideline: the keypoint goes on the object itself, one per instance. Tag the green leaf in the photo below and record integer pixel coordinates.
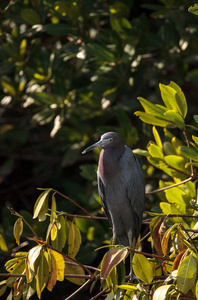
(196, 118)
(153, 109)
(195, 139)
(30, 16)
(101, 52)
(193, 9)
(189, 152)
(142, 268)
(175, 118)
(151, 119)
(42, 273)
(168, 208)
(74, 240)
(141, 152)
(53, 209)
(18, 229)
(177, 162)
(60, 29)
(179, 197)
(180, 99)
(155, 151)
(3, 287)
(40, 202)
(74, 269)
(111, 259)
(187, 273)
(157, 138)
(174, 98)
(32, 261)
(3, 245)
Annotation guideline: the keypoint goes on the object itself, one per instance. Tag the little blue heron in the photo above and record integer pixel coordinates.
(121, 188)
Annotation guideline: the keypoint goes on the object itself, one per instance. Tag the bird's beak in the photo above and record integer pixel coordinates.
(99, 144)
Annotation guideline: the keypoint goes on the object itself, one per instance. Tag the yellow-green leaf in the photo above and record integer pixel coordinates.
(42, 273)
(32, 261)
(157, 138)
(74, 269)
(74, 240)
(155, 151)
(142, 268)
(18, 230)
(3, 245)
(40, 202)
(111, 259)
(189, 152)
(53, 209)
(187, 273)
(128, 286)
(3, 287)
(175, 118)
(152, 119)
(53, 232)
(180, 99)
(17, 264)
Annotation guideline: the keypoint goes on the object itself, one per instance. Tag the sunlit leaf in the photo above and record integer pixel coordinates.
(142, 268)
(179, 258)
(193, 9)
(53, 232)
(161, 292)
(32, 261)
(18, 229)
(157, 138)
(60, 264)
(111, 259)
(187, 272)
(40, 202)
(166, 238)
(175, 118)
(180, 99)
(155, 151)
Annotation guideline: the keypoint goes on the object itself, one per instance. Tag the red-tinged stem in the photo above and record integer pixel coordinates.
(62, 195)
(78, 290)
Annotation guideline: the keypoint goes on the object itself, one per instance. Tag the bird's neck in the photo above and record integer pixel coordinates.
(108, 162)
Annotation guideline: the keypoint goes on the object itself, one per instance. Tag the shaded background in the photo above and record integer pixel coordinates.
(70, 71)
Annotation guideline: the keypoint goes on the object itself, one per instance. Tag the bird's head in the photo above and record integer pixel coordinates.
(108, 140)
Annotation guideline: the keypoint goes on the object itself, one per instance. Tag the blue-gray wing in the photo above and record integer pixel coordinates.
(101, 191)
(135, 189)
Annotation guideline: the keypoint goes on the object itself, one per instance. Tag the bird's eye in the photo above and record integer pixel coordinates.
(110, 140)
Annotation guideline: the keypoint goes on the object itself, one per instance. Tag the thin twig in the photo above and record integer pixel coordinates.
(78, 290)
(85, 217)
(151, 255)
(99, 294)
(145, 236)
(169, 187)
(62, 195)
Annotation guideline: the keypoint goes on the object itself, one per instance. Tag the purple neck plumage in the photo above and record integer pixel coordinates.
(108, 161)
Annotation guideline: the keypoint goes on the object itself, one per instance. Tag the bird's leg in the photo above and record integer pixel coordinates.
(114, 238)
(132, 276)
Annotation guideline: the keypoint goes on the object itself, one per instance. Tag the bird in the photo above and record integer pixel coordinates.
(121, 189)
